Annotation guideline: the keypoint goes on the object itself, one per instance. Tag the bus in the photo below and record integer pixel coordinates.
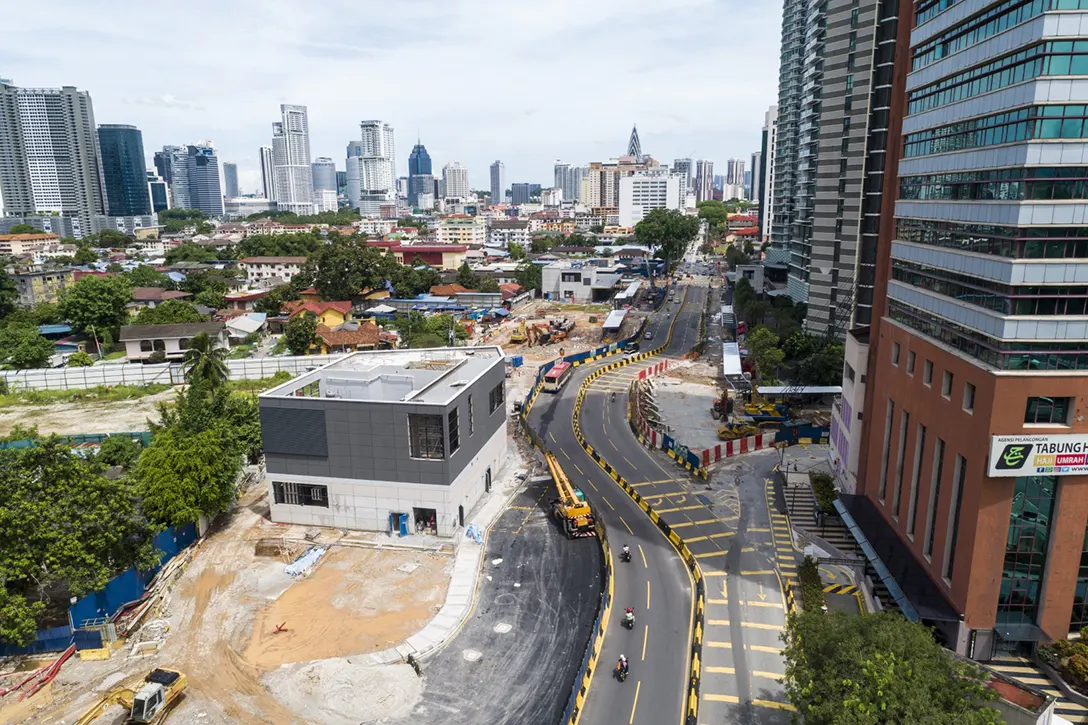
(557, 376)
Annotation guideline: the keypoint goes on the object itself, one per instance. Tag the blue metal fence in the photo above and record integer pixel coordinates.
(143, 436)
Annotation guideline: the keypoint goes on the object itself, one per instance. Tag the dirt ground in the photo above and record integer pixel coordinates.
(218, 624)
(75, 418)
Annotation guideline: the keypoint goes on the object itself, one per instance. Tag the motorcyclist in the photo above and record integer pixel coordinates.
(626, 552)
(613, 396)
(622, 666)
(629, 616)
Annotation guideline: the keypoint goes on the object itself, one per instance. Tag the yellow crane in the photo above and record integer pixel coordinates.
(160, 691)
(571, 509)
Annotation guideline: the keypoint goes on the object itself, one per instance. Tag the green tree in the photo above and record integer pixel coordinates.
(23, 229)
(879, 669)
(84, 256)
(204, 228)
(22, 347)
(280, 245)
(18, 618)
(823, 367)
(9, 293)
(189, 252)
(529, 275)
(119, 450)
(300, 333)
(762, 346)
(97, 302)
(734, 257)
(713, 211)
(210, 298)
(80, 360)
(170, 312)
(200, 281)
(668, 232)
(486, 284)
(63, 524)
(542, 244)
(145, 276)
(466, 277)
(184, 474)
(46, 313)
(517, 251)
(204, 362)
(340, 271)
(273, 302)
(755, 312)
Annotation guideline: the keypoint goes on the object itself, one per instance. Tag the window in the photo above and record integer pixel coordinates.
(887, 448)
(1048, 411)
(300, 494)
(425, 436)
(960, 477)
(969, 397)
(910, 362)
(946, 384)
(904, 426)
(145, 345)
(934, 497)
(455, 433)
(919, 454)
(471, 422)
(895, 354)
(1026, 549)
(849, 372)
(183, 343)
(495, 398)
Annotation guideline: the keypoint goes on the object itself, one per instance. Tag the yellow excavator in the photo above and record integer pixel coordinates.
(518, 335)
(571, 509)
(160, 691)
(732, 431)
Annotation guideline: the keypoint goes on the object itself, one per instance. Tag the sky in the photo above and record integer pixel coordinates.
(523, 81)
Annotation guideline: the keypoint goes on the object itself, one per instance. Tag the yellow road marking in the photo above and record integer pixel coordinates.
(638, 685)
(760, 625)
(763, 648)
(731, 699)
(609, 505)
(625, 457)
(592, 484)
(564, 453)
(644, 564)
(663, 480)
(774, 705)
(719, 645)
(720, 670)
(776, 605)
(759, 531)
(647, 595)
(678, 508)
(713, 573)
(708, 554)
(718, 622)
(756, 572)
(579, 469)
(694, 523)
(712, 536)
(717, 601)
(645, 639)
(767, 675)
(632, 533)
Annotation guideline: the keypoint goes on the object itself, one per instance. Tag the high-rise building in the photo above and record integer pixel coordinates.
(752, 177)
(291, 160)
(49, 155)
(601, 188)
(634, 146)
(371, 168)
(159, 192)
(164, 162)
(342, 183)
(971, 476)
(769, 152)
(268, 174)
(175, 160)
(455, 180)
(520, 193)
(645, 191)
(323, 174)
(202, 179)
(230, 181)
(498, 183)
(420, 180)
(124, 171)
(686, 168)
(704, 180)
(734, 171)
(569, 179)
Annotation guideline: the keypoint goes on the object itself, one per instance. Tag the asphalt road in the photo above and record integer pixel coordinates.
(729, 528)
(655, 583)
(514, 661)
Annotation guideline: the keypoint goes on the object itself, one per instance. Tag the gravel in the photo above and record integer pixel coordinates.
(337, 692)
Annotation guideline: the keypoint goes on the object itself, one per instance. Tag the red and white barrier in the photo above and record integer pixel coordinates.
(729, 449)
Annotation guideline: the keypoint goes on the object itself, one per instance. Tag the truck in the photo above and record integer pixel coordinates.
(570, 508)
(151, 703)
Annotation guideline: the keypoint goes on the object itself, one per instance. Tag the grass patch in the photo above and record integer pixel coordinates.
(260, 384)
(115, 355)
(240, 352)
(98, 394)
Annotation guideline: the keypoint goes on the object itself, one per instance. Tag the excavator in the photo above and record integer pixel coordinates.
(518, 336)
(571, 509)
(151, 703)
(732, 431)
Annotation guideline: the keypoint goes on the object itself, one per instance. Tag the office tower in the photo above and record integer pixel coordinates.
(455, 179)
(569, 179)
(268, 174)
(402, 187)
(164, 161)
(577, 175)
(371, 168)
(342, 183)
(291, 160)
(420, 180)
(645, 191)
(769, 152)
(747, 182)
(202, 180)
(230, 181)
(498, 183)
(704, 180)
(122, 149)
(634, 147)
(734, 172)
(49, 156)
(158, 191)
(719, 182)
(752, 177)
(975, 355)
(175, 160)
(520, 193)
(323, 174)
(686, 168)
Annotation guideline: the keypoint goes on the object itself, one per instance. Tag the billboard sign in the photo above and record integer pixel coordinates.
(1038, 455)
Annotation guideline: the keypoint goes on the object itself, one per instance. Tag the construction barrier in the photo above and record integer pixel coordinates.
(728, 449)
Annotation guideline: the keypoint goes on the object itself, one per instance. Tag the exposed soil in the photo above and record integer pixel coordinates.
(75, 418)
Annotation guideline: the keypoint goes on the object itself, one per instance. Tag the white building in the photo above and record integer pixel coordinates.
(591, 280)
(264, 272)
(371, 172)
(455, 181)
(504, 232)
(648, 190)
(268, 174)
(498, 183)
(846, 421)
(379, 227)
(551, 197)
(143, 341)
(244, 206)
(766, 200)
(291, 160)
(462, 229)
(125, 224)
(325, 200)
(704, 180)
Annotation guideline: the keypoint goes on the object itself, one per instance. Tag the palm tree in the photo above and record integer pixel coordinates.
(204, 362)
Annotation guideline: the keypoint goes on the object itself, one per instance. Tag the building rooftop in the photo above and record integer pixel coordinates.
(431, 376)
(272, 260)
(192, 329)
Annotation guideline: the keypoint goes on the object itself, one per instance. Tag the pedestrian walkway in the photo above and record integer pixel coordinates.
(1026, 672)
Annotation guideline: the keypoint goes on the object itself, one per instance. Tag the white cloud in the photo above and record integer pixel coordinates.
(477, 79)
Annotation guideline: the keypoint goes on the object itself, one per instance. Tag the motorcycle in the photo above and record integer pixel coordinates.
(629, 621)
(625, 556)
(621, 673)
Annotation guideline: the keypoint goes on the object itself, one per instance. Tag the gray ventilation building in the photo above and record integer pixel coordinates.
(377, 436)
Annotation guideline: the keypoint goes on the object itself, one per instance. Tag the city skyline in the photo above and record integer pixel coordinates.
(176, 99)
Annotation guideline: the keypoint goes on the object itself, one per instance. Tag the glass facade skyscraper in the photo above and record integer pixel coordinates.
(123, 168)
(420, 178)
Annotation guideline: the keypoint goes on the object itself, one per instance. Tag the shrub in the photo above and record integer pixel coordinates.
(823, 487)
(1077, 667)
(158, 356)
(812, 587)
(80, 360)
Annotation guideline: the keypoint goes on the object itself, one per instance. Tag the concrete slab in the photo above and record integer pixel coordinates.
(685, 407)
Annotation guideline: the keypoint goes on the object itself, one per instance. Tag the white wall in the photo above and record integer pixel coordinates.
(846, 427)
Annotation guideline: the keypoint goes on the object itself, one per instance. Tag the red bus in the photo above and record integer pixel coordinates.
(555, 378)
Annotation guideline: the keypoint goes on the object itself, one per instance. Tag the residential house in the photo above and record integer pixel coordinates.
(462, 229)
(150, 297)
(268, 272)
(349, 336)
(36, 285)
(330, 314)
(439, 256)
(244, 299)
(143, 341)
(18, 245)
(239, 328)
